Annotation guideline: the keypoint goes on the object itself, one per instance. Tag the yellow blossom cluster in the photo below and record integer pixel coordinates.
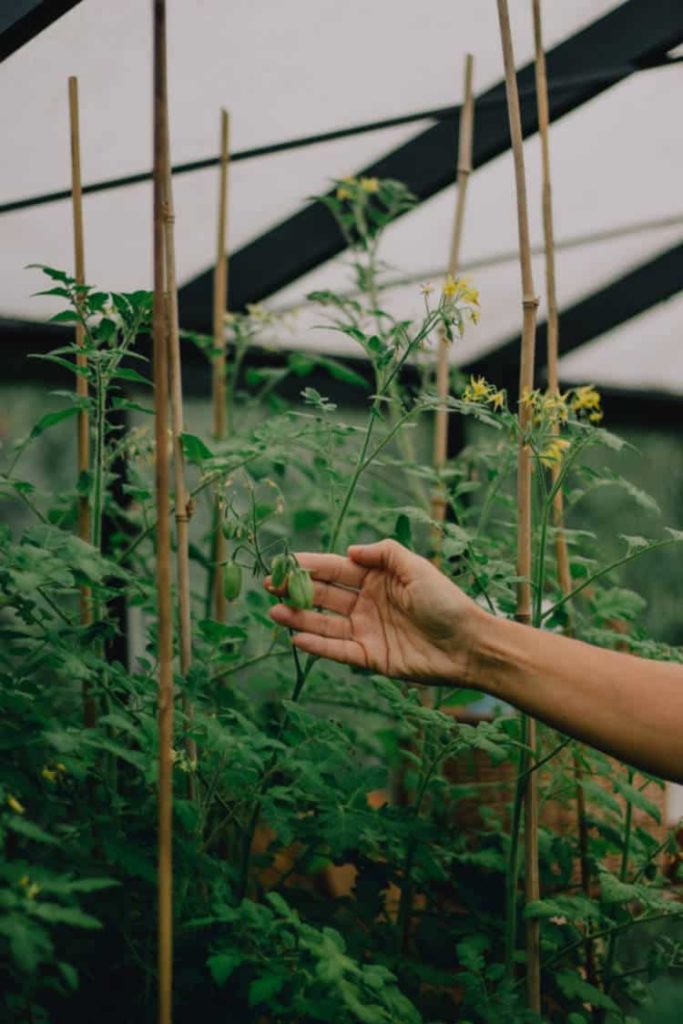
(547, 407)
(54, 773)
(586, 400)
(460, 289)
(349, 186)
(480, 392)
(553, 408)
(553, 452)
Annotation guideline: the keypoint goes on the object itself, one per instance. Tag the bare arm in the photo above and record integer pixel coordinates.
(393, 612)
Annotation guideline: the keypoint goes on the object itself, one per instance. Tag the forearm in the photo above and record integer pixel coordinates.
(626, 706)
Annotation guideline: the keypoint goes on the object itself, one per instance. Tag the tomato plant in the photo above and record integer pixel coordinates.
(324, 866)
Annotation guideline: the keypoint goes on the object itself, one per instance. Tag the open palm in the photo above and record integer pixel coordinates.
(392, 612)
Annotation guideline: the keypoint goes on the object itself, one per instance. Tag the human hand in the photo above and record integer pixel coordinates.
(393, 612)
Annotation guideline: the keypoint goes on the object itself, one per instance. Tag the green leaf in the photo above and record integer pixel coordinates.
(69, 973)
(67, 316)
(218, 632)
(222, 965)
(56, 914)
(52, 418)
(403, 532)
(264, 988)
(460, 697)
(574, 987)
(29, 943)
(126, 374)
(194, 448)
(30, 830)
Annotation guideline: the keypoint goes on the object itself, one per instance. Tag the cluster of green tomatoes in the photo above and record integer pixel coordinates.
(286, 574)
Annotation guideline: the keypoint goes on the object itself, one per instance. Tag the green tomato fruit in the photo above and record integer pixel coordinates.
(229, 528)
(282, 565)
(300, 588)
(232, 581)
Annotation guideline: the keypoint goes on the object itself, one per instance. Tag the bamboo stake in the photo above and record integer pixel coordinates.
(526, 380)
(163, 535)
(182, 503)
(83, 422)
(220, 302)
(561, 549)
(464, 169)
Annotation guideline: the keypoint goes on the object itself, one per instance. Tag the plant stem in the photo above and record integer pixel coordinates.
(623, 873)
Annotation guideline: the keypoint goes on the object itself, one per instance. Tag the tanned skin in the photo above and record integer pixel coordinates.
(386, 609)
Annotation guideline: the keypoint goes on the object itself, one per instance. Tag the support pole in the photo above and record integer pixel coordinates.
(182, 503)
(553, 345)
(464, 169)
(83, 421)
(163, 536)
(220, 302)
(524, 478)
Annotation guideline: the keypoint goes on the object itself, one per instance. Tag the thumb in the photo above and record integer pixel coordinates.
(385, 554)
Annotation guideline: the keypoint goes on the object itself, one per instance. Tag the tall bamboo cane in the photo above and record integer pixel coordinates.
(524, 472)
(182, 504)
(464, 168)
(220, 301)
(83, 422)
(561, 549)
(163, 534)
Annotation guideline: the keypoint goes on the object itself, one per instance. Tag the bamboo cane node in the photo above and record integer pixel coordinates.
(464, 169)
(530, 302)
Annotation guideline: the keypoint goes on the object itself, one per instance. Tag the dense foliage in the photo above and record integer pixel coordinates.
(343, 842)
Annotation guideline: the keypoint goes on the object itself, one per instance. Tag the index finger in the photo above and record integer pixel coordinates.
(332, 568)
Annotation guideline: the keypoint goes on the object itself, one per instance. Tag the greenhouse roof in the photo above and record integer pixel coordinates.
(616, 155)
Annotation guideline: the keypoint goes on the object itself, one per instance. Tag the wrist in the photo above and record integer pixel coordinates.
(494, 654)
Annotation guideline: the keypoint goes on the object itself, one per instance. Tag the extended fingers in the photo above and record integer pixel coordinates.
(334, 599)
(347, 651)
(325, 595)
(332, 568)
(311, 622)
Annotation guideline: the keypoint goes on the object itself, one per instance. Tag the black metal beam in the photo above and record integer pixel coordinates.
(27, 26)
(635, 34)
(631, 294)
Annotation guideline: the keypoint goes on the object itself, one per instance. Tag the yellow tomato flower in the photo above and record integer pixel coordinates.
(451, 287)
(469, 293)
(31, 889)
(553, 453)
(498, 400)
(343, 194)
(596, 417)
(478, 390)
(426, 289)
(586, 397)
(349, 180)
(15, 805)
(369, 184)
(49, 774)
